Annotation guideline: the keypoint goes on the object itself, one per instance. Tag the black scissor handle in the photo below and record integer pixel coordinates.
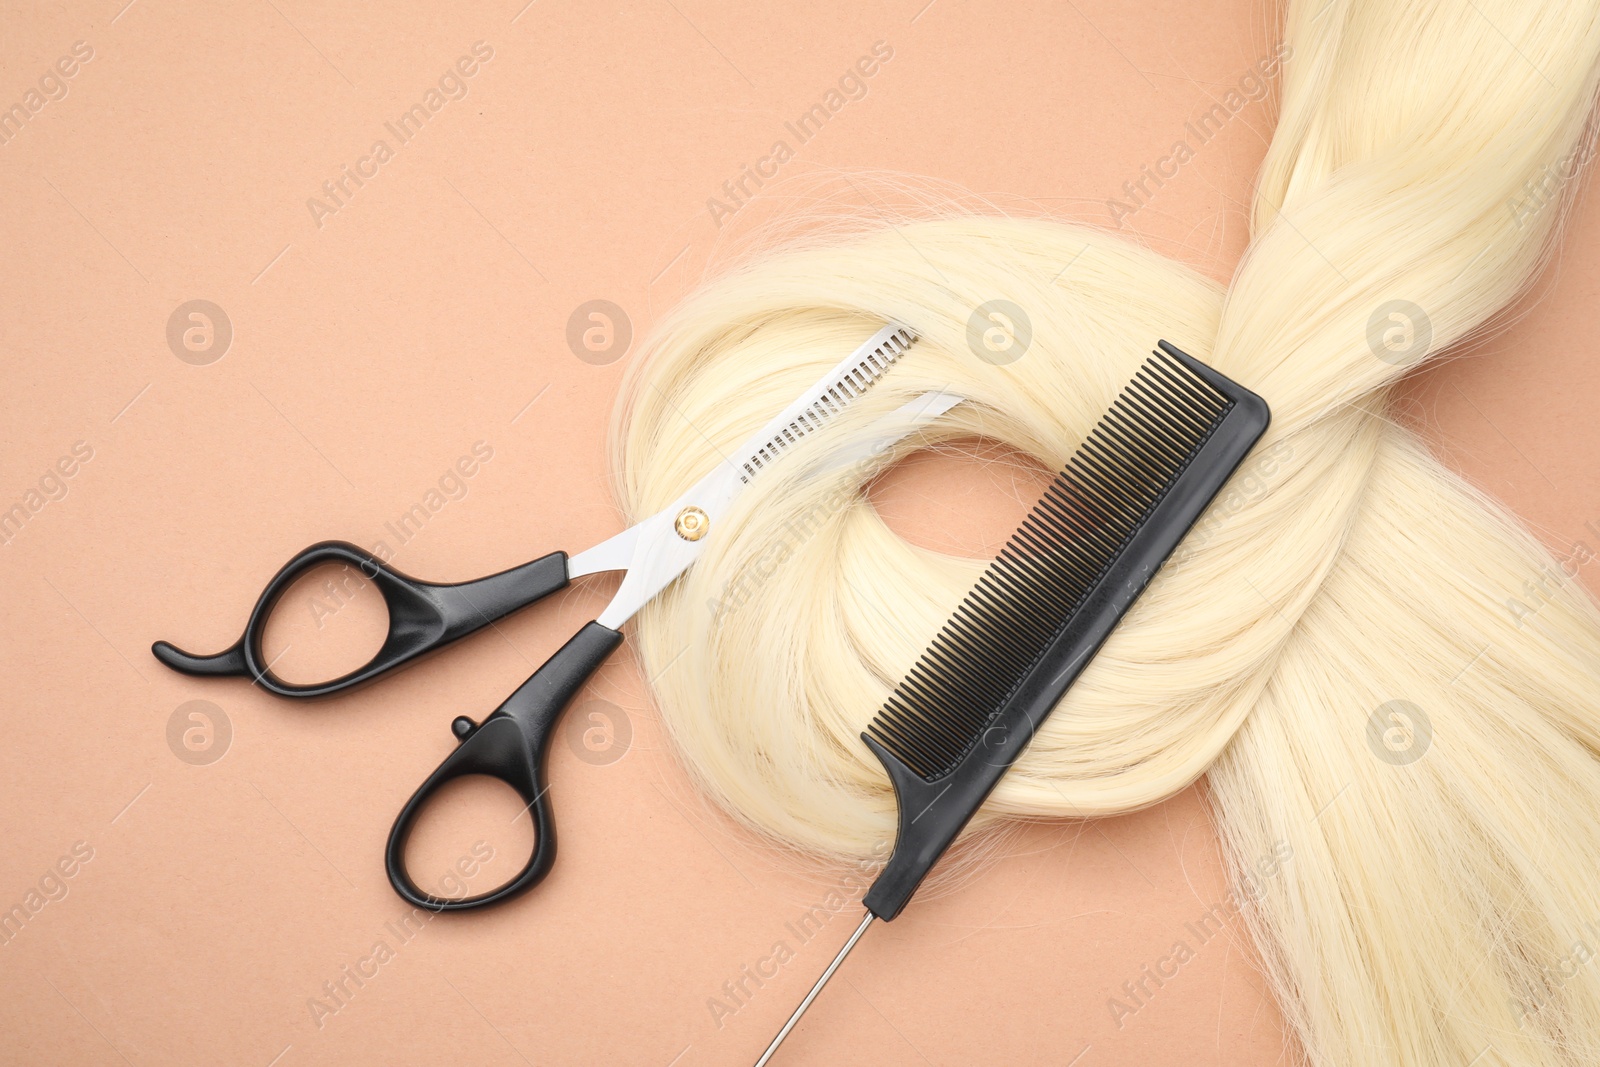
(423, 616)
(510, 745)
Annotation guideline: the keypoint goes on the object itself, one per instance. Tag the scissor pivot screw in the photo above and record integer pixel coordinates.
(462, 727)
(692, 523)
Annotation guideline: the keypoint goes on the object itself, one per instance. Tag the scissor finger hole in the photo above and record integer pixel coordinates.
(330, 621)
(472, 836)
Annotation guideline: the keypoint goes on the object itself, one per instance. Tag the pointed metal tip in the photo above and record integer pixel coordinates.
(806, 1003)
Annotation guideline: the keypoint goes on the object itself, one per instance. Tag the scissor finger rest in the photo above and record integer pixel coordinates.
(423, 616)
(509, 745)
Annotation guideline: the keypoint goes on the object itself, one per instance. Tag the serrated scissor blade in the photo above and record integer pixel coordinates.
(652, 550)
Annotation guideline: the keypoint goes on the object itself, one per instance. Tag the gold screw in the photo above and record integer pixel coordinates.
(692, 523)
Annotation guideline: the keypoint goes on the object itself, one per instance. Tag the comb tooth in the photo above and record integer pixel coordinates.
(1170, 381)
(1055, 559)
(976, 656)
(1019, 604)
(1055, 556)
(958, 686)
(953, 673)
(1172, 411)
(934, 688)
(1046, 556)
(1078, 529)
(936, 734)
(1078, 533)
(909, 737)
(948, 661)
(994, 609)
(942, 745)
(1164, 440)
(1132, 467)
(1194, 404)
(1111, 487)
(1152, 395)
(1134, 456)
(1011, 596)
(1183, 380)
(937, 738)
(1060, 510)
(923, 733)
(1156, 377)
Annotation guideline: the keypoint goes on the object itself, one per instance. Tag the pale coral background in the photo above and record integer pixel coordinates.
(369, 353)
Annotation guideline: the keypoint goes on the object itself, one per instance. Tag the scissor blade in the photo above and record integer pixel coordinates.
(832, 393)
(615, 553)
(891, 429)
(661, 553)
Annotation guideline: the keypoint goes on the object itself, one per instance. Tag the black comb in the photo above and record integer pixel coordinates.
(968, 708)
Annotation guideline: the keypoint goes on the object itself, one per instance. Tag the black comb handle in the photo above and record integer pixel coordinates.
(934, 807)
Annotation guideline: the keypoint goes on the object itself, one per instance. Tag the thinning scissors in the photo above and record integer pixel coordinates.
(424, 616)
